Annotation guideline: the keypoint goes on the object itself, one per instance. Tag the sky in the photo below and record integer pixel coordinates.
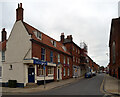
(85, 20)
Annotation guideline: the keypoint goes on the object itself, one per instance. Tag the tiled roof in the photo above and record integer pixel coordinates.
(2, 45)
(45, 38)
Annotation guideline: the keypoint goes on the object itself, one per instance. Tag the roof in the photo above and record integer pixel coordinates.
(2, 45)
(45, 38)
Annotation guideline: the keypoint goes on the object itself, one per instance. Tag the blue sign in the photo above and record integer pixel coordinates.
(39, 62)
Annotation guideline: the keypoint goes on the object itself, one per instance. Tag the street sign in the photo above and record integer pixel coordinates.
(39, 62)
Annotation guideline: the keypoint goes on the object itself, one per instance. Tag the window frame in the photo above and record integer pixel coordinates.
(43, 54)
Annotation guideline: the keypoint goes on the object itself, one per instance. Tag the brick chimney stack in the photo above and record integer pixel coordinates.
(19, 12)
(4, 35)
(62, 37)
(70, 37)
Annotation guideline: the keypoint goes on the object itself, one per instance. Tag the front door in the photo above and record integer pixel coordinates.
(31, 75)
(119, 72)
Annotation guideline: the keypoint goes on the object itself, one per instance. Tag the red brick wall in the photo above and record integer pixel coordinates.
(114, 36)
(36, 52)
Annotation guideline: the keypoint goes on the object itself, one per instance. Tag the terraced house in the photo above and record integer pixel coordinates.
(30, 54)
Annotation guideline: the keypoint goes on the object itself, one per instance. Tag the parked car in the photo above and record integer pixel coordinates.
(88, 75)
(93, 73)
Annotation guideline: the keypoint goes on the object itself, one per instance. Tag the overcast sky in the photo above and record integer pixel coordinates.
(85, 20)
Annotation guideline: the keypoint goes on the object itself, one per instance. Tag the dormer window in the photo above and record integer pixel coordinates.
(53, 43)
(39, 35)
(64, 48)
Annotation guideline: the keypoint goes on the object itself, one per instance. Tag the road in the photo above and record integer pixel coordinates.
(85, 86)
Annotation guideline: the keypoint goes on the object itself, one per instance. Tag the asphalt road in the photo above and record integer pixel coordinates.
(85, 86)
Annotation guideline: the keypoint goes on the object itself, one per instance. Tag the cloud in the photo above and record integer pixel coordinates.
(85, 20)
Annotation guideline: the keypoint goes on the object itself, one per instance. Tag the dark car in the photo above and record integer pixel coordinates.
(88, 75)
(94, 73)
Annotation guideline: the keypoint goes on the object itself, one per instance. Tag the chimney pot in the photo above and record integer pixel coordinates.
(19, 12)
(3, 35)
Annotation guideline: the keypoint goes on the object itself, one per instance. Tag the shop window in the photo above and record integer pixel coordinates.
(43, 54)
(58, 57)
(40, 70)
(51, 56)
(64, 72)
(50, 70)
(68, 71)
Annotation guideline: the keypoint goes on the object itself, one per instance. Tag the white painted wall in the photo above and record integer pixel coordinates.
(18, 45)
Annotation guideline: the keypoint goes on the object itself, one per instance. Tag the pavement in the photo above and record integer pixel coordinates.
(111, 85)
(48, 86)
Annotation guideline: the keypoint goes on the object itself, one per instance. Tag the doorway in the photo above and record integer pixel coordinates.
(31, 75)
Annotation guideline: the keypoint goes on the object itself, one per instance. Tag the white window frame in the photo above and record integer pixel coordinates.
(39, 35)
(58, 57)
(68, 61)
(68, 72)
(64, 72)
(64, 60)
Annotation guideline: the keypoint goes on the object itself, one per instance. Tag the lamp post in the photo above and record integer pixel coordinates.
(44, 74)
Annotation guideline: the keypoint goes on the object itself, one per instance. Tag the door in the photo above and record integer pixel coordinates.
(58, 74)
(119, 72)
(31, 75)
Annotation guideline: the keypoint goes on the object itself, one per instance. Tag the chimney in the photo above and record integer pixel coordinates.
(70, 37)
(19, 12)
(4, 35)
(62, 37)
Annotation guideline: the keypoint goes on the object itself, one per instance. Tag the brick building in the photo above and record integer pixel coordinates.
(114, 46)
(75, 51)
(30, 55)
(93, 66)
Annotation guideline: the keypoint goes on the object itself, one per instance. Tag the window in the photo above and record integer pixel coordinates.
(68, 72)
(113, 50)
(76, 50)
(51, 56)
(39, 35)
(64, 71)
(73, 48)
(58, 57)
(3, 56)
(53, 42)
(43, 54)
(50, 70)
(64, 59)
(68, 61)
(40, 70)
(64, 48)
(10, 67)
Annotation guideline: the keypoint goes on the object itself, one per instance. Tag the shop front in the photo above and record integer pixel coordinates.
(38, 71)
